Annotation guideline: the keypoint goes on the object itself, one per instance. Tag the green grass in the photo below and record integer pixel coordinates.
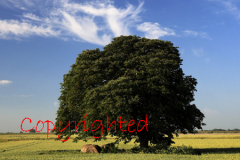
(36, 146)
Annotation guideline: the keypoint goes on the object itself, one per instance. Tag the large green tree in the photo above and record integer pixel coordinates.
(131, 78)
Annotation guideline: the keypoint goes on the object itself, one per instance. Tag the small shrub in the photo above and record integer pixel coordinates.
(114, 149)
(135, 149)
(181, 150)
(163, 149)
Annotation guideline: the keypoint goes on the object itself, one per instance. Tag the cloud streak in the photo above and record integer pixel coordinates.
(197, 52)
(211, 112)
(230, 7)
(84, 28)
(117, 20)
(4, 82)
(195, 34)
(69, 19)
(31, 16)
(154, 31)
(95, 22)
(15, 29)
(207, 60)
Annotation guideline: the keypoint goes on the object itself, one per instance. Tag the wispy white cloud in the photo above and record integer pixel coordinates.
(23, 8)
(210, 112)
(55, 104)
(75, 20)
(87, 30)
(117, 20)
(4, 82)
(17, 3)
(207, 60)
(68, 19)
(194, 33)
(154, 31)
(188, 32)
(31, 16)
(230, 7)
(233, 9)
(182, 51)
(198, 52)
(14, 28)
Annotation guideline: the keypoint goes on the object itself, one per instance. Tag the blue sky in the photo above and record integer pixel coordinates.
(40, 40)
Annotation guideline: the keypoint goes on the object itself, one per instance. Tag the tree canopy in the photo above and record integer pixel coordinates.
(32, 131)
(133, 78)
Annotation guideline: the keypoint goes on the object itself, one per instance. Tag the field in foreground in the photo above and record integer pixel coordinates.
(36, 146)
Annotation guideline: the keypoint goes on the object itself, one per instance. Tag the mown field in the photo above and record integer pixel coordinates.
(36, 146)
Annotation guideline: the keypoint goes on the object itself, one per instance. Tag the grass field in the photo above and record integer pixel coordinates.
(36, 146)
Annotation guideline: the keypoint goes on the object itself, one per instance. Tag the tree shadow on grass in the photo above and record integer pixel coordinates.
(196, 151)
(59, 151)
(217, 150)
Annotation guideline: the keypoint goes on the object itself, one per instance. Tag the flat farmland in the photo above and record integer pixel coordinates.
(36, 146)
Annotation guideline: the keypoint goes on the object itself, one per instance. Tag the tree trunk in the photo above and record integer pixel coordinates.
(143, 142)
(143, 137)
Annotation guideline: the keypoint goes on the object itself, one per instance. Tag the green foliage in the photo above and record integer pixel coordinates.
(218, 129)
(180, 150)
(130, 78)
(32, 131)
(113, 149)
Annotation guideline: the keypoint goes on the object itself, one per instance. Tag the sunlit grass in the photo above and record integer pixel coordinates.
(24, 148)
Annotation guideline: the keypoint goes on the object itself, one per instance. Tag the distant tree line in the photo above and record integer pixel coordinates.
(235, 129)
